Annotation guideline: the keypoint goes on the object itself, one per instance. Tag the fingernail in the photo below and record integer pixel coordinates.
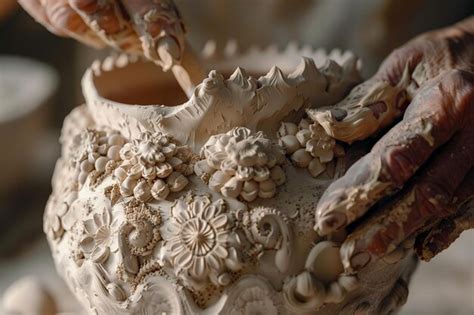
(359, 260)
(331, 222)
(338, 114)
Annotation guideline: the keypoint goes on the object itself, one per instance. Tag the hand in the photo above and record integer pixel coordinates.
(423, 161)
(149, 27)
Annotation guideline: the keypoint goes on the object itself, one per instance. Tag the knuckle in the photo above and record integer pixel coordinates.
(59, 16)
(460, 84)
(63, 17)
(399, 52)
(399, 57)
(399, 165)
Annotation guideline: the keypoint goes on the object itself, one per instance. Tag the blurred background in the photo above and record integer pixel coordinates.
(40, 77)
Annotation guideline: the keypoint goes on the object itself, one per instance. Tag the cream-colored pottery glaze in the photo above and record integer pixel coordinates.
(206, 205)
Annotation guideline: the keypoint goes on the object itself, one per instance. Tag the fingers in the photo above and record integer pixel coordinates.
(161, 32)
(376, 103)
(369, 107)
(445, 232)
(436, 113)
(96, 22)
(160, 29)
(36, 10)
(155, 29)
(58, 17)
(421, 204)
(62, 17)
(106, 19)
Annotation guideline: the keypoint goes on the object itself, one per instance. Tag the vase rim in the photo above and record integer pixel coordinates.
(222, 101)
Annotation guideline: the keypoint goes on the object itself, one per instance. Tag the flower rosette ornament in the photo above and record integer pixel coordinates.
(309, 146)
(200, 245)
(242, 164)
(95, 151)
(153, 166)
(100, 237)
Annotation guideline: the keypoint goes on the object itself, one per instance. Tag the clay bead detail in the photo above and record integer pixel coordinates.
(94, 150)
(323, 280)
(138, 235)
(242, 164)
(153, 166)
(309, 146)
(199, 242)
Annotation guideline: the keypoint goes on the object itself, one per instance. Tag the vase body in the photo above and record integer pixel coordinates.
(204, 205)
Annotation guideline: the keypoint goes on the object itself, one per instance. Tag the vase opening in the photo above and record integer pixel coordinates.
(140, 83)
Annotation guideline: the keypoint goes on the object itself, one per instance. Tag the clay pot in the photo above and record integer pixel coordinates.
(166, 204)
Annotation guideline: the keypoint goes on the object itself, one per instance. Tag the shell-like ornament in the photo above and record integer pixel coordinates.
(140, 232)
(268, 229)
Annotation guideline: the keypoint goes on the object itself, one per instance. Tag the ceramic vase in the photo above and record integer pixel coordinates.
(164, 204)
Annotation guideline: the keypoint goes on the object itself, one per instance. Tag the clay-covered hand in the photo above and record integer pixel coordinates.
(422, 101)
(149, 27)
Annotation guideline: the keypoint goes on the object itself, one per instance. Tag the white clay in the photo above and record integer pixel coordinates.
(201, 206)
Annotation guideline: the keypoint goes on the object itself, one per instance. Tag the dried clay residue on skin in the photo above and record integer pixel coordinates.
(357, 199)
(422, 127)
(378, 236)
